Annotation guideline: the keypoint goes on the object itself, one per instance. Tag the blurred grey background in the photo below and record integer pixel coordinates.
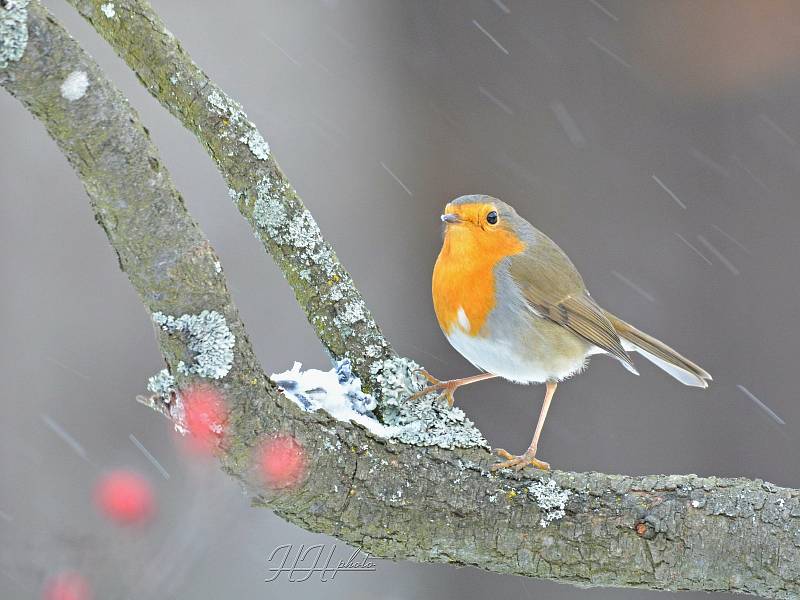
(656, 142)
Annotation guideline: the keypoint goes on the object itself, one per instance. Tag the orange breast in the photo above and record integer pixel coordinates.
(463, 277)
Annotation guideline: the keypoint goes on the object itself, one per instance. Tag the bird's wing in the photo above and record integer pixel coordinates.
(554, 290)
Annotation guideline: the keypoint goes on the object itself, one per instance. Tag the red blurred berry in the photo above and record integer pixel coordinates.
(205, 415)
(125, 497)
(67, 585)
(282, 461)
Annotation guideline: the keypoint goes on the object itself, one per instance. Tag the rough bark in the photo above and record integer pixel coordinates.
(262, 193)
(399, 501)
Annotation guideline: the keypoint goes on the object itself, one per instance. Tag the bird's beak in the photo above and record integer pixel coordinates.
(450, 218)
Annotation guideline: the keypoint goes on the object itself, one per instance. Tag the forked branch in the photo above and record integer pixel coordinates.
(394, 500)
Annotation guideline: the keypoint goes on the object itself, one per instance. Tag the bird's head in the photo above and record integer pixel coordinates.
(484, 225)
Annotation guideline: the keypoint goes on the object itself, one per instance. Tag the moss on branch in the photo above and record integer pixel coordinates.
(395, 500)
(262, 193)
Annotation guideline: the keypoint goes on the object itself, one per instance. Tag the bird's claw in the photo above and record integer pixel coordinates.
(436, 384)
(431, 379)
(519, 462)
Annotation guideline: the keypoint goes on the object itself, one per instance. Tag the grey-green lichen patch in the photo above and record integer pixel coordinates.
(269, 212)
(303, 231)
(298, 230)
(108, 10)
(13, 31)
(227, 107)
(75, 85)
(257, 144)
(353, 312)
(208, 337)
(166, 399)
(373, 350)
(162, 384)
(551, 499)
(426, 421)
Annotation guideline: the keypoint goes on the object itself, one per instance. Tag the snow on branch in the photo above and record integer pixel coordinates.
(258, 187)
(338, 392)
(416, 501)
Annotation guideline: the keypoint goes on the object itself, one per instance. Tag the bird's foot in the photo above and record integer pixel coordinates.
(519, 462)
(447, 387)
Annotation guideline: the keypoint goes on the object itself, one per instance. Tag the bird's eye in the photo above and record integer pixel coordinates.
(491, 218)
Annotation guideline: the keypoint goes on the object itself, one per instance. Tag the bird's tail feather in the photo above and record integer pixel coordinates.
(658, 353)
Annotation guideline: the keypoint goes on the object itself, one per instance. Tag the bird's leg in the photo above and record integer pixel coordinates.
(529, 458)
(448, 387)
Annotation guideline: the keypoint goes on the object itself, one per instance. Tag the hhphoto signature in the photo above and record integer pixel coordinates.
(311, 560)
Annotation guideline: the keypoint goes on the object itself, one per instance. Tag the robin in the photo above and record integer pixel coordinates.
(513, 304)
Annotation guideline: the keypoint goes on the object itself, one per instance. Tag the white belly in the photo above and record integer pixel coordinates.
(501, 357)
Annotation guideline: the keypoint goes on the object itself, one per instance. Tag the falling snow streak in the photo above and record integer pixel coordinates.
(322, 68)
(5, 516)
(67, 368)
(777, 129)
(65, 437)
(447, 118)
(709, 162)
(732, 239)
(396, 178)
(502, 6)
(636, 288)
(568, 124)
(692, 247)
(761, 405)
(720, 257)
(281, 50)
(490, 36)
(610, 53)
(501, 105)
(198, 527)
(340, 38)
(149, 456)
(604, 10)
(669, 191)
(752, 175)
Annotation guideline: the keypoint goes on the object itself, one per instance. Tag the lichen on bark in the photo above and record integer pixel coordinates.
(13, 30)
(395, 500)
(264, 196)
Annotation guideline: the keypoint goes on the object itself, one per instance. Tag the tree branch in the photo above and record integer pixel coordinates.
(675, 532)
(264, 196)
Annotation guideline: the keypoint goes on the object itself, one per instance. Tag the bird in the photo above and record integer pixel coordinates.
(510, 301)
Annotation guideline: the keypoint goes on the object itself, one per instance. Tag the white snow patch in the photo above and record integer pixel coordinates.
(75, 86)
(337, 392)
(108, 10)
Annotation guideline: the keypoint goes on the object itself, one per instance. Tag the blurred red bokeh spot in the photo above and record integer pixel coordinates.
(125, 497)
(68, 585)
(205, 415)
(282, 461)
